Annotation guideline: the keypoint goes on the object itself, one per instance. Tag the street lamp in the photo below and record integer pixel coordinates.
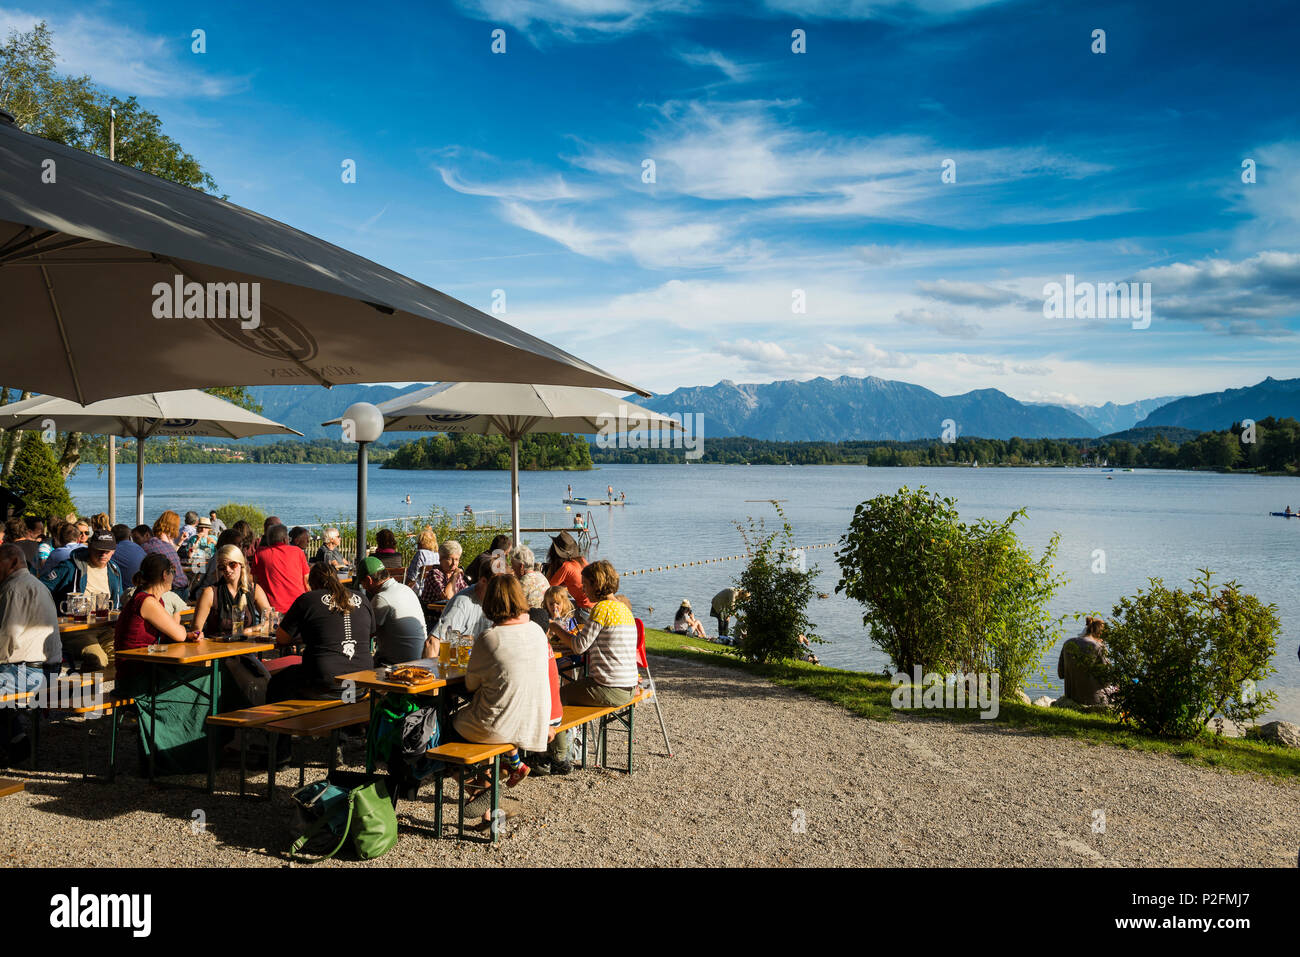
(363, 423)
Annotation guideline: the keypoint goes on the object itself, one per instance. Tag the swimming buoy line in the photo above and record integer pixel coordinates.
(712, 561)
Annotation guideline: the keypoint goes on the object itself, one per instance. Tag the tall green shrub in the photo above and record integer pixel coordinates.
(36, 477)
(233, 512)
(1176, 659)
(948, 596)
(774, 591)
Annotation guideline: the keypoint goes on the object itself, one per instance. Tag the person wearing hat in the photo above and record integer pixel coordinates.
(90, 571)
(564, 564)
(685, 623)
(400, 633)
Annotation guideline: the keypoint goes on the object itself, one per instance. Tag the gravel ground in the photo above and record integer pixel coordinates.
(800, 782)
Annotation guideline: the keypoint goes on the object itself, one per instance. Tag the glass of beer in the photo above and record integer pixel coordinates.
(462, 653)
(444, 652)
(102, 604)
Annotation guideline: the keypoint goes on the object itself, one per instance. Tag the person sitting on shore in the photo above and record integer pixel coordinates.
(281, 569)
(1073, 666)
(30, 647)
(144, 620)
(386, 549)
(334, 625)
(329, 552)
(464, 613)
(685, 622)
(444, 580)
(609, 640)
(161, 543)
(425, 557)
(564, 566)
(400, 632)
(226, 607)
(509, 674)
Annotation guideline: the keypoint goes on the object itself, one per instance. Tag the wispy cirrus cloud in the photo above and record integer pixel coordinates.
(125, 60)
(577, 20)
(944, 325)
(972, 294)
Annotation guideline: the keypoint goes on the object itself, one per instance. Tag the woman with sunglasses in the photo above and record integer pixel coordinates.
(226, 607)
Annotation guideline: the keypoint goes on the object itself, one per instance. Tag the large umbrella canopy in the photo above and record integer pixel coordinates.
(187, 412)
(92, 253)
(513, 410)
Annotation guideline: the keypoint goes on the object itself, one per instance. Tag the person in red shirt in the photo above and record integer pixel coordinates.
(281, 569)
(564, 564)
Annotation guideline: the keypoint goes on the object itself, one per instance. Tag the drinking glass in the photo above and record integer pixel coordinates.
(102, 604)
(462, 652)
(444, 652)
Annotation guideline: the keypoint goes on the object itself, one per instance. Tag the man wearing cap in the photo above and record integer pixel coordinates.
(90, 571)
(399, 617)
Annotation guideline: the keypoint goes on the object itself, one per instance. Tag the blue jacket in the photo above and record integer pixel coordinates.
(70, 576)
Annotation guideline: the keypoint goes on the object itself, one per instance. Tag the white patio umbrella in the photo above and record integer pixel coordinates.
(512, 410)
(188, 412)
(110, 278)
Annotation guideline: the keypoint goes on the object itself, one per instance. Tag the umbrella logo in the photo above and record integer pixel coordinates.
(278, 336)
(174, 425)
(450, 417)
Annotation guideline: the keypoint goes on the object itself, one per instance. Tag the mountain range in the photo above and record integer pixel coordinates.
(848, 408)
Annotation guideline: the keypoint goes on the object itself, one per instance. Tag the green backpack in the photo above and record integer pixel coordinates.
(363, 813)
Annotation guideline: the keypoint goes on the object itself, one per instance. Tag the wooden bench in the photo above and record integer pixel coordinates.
(253, 718)
(623, 715)
(65, 688)
(462, 756)
(317, 724)
(8, 786)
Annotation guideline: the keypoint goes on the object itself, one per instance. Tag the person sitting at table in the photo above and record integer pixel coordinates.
(212, 571)
(30, 648)
(499, 544)
(299, 537)
(609, 639)
(508, 673)
(400, 632)
(90, 571)
(334, 625)
(66, 540)
(564, 565)
(533, 583)
(281, 569)
(386, 549)
(144, 620)
(329, 550)
(247, 539)
(444, 580)
(228, 606)
(201, 547)
(188, 530)
(127, 556)
(464, 613)
(426, 556)
(161, 543)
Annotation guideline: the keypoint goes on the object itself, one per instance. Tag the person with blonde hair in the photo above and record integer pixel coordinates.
(1074, 665)
(426, 556)
(99, 521)
(162, 543)
(609, 639)
(226, 607)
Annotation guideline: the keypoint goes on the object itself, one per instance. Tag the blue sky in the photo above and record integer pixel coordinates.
(775, 172)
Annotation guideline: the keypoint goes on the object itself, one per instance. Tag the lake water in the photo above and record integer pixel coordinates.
(1149, 524)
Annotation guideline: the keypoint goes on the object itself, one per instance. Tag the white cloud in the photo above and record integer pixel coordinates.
(1219, 292)
(576, 20)
(875, 9)
(541, 189)
(734, 71)
(124, 60)
(970, 293)
(945, 325)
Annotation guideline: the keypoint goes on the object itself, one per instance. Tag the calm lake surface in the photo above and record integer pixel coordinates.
(1150, 524)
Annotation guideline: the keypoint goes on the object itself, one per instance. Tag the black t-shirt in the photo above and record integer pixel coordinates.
(335, 643)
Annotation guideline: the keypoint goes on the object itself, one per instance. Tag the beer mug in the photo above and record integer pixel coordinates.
(75, 606)
(103, 602)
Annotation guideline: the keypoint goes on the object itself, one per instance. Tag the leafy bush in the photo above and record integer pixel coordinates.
(774, 591)
(1177, 659)
(233, 512)
(36, 477)
(473, 537)
(947, 596)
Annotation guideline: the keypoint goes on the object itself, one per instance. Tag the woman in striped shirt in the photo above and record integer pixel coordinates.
(609, 639)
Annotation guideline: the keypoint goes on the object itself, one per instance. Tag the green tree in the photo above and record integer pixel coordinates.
(37, 479)
(774, 591)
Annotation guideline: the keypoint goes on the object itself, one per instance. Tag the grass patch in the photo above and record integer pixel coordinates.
(868, 695)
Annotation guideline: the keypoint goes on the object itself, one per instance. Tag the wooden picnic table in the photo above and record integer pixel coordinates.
(203, 652)
(68, 626)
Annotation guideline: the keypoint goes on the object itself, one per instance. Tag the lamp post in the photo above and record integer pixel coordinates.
(362, 423)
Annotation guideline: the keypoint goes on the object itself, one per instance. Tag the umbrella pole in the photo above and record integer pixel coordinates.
(112, 479)
(514, 488)
(139, 481)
